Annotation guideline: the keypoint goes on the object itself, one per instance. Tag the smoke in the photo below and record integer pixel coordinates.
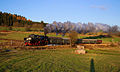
(66, 27)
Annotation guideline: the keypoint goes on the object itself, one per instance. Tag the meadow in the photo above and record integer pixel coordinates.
(61, 60)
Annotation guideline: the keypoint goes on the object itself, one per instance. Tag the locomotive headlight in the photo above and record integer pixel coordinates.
(29, 38)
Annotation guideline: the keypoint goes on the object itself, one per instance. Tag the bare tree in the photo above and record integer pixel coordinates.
(113, 29)
(68, 26)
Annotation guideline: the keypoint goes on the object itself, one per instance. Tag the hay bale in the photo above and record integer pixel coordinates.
(82, 51)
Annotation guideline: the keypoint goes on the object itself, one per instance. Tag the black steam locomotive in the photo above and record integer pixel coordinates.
(36, 40)
(39, 40)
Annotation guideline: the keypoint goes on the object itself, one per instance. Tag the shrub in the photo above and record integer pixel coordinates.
(73, 35)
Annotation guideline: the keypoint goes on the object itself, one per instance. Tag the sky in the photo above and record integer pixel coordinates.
(96, 11)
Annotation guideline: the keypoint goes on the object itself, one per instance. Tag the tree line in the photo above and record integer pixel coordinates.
(8, 19)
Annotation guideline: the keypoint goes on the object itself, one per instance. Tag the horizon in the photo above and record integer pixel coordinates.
(84, 11)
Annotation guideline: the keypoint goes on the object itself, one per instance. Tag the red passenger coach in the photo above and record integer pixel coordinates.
(99, 41)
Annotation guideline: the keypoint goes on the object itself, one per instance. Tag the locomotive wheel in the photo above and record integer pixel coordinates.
(26, 45)
(46, 42)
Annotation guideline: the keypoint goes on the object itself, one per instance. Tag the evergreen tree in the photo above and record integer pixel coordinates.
(8, 19)
(0, 18)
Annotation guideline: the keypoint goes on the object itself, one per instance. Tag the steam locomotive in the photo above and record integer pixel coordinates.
(36, 40)
(39, 40)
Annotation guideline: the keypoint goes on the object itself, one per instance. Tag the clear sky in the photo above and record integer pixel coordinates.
(96, 11)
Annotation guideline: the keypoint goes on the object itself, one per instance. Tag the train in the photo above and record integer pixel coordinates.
(40, 40)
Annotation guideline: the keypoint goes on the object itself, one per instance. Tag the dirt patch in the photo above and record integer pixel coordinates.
(93, 45)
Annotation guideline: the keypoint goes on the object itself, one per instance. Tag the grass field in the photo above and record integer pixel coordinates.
(60, 60)
(13, 28)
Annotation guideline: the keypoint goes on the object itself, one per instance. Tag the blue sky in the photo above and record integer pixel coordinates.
(96, 11)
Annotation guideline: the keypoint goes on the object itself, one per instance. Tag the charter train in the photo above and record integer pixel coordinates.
(40, 40)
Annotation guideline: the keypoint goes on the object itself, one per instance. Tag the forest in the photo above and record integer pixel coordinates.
(8, 19)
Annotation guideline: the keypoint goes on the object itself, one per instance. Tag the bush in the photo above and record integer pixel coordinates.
(73, 35)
